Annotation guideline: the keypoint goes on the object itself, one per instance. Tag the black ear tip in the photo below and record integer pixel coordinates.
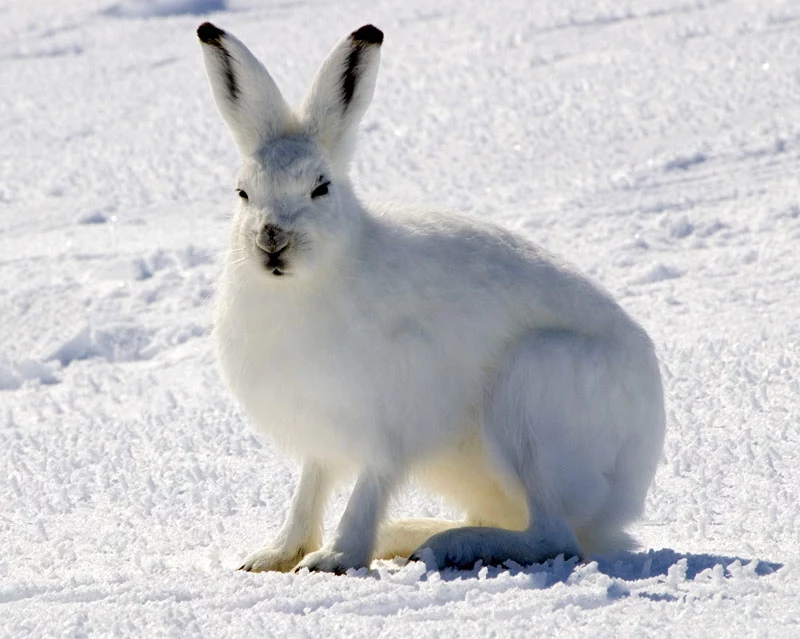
(368, 34)
(209, 34)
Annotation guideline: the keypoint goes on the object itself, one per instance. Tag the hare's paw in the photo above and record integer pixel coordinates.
(272, 559)
(451, 549)
(463, 547)
(327, 560)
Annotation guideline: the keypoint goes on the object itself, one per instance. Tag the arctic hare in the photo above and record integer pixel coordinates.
(396, 344)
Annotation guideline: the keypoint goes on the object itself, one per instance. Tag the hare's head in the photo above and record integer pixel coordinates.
(296, 208)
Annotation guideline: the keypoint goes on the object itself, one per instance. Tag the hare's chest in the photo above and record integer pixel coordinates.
(301, 381)
(345, 387)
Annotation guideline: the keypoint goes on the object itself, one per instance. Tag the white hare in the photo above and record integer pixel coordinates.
(398, 344)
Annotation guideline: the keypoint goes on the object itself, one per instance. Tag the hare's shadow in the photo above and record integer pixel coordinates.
(625, 566)
(656, 563)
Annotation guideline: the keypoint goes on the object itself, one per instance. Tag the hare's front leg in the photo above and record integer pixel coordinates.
(355, 538)
(301, 533)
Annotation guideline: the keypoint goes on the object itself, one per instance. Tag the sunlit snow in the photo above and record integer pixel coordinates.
(655, 144)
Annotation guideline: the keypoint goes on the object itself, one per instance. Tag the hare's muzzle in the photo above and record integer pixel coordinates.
(273, 241)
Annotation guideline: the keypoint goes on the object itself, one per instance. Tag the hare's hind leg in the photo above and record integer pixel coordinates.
(555, 420)
(465, 477)
(401, 537)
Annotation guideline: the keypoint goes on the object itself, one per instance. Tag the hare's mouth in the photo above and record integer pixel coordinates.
(276, 267)
(274, 261)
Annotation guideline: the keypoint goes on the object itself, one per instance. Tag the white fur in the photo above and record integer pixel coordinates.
(405, 343)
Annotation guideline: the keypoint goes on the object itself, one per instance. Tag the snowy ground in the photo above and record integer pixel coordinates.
(654, 143)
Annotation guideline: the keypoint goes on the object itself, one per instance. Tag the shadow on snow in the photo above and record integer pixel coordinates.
(661, 565)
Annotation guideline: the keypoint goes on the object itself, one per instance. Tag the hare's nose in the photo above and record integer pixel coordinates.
(272, 238)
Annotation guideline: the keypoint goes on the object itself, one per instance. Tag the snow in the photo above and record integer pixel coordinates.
(162, 8)
(655, 144)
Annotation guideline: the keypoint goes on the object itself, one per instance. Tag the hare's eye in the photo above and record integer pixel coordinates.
(242, 194)
(321, 190)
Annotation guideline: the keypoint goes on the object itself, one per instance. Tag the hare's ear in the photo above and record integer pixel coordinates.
(342, 92)
(247, 97)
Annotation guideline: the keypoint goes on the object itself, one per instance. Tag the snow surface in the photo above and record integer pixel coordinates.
(654, 143)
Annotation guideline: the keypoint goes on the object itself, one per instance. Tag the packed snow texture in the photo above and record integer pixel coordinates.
(655, 144)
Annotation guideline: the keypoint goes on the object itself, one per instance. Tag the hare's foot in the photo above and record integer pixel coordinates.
(272, 559)
(464, 547)
(330, 560)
